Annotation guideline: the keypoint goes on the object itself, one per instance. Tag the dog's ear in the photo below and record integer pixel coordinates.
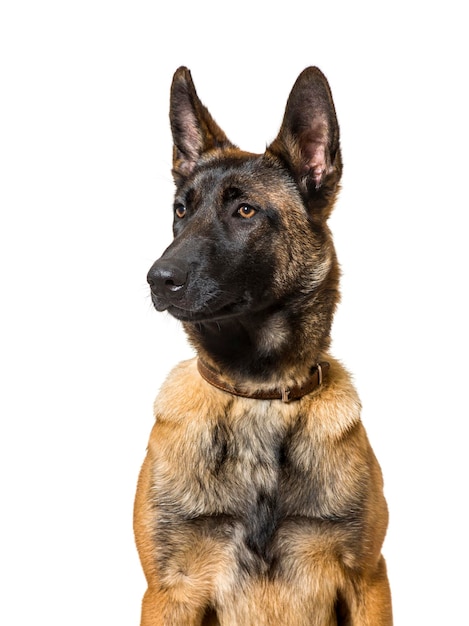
(308, 140)
(193, 128)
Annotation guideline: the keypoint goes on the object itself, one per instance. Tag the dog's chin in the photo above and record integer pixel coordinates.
(208, 314)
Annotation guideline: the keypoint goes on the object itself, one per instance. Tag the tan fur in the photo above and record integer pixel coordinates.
(203, 571)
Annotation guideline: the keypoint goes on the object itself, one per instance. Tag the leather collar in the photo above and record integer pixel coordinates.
(286, 394)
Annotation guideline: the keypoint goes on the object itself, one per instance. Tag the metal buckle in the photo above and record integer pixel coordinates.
(285, 394)
(318, 365)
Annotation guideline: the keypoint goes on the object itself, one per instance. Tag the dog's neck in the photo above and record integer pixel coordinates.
(265, 349)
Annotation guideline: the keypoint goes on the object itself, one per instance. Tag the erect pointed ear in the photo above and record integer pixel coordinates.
(308, 140)
(193, 128)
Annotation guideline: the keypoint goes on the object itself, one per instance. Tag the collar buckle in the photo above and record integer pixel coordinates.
(320, 374)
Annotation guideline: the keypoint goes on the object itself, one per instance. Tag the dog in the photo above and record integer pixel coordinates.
(260, 501)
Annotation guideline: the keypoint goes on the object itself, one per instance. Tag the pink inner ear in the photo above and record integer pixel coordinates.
(316, 161)
(314, 154)
(313, 148)
(187, 136)
(192, 141)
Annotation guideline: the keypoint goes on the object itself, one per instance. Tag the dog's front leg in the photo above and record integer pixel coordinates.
(160, 610)
(370, 600)
(184, 599)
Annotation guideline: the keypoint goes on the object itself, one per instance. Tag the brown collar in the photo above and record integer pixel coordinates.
(286, 394)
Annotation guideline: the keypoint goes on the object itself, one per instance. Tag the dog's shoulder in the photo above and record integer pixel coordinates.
(184, 394)
(335, 409)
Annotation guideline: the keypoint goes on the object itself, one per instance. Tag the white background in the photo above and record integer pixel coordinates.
(86, 193)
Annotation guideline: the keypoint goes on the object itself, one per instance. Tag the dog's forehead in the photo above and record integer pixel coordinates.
(228, 178)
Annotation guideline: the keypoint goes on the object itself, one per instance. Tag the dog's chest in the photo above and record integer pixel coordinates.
(246, 476)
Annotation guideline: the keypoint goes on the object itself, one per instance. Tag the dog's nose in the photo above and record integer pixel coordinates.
(167, 278)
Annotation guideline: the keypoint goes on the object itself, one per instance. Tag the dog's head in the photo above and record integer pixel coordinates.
(250, 231)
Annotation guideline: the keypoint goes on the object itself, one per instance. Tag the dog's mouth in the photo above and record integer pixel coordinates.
(207, 313)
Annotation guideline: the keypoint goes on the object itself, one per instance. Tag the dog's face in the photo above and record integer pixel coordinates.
(250, 230)
(242, 236)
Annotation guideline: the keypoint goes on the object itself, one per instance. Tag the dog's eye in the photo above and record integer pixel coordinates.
(246, 211)
(180, 211)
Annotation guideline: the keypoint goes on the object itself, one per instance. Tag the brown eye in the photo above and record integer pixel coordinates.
(180, 211)
(246, 211)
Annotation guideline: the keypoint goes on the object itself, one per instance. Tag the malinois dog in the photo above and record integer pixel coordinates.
(260, 501)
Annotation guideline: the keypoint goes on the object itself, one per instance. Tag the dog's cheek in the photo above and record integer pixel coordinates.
(307, 261)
